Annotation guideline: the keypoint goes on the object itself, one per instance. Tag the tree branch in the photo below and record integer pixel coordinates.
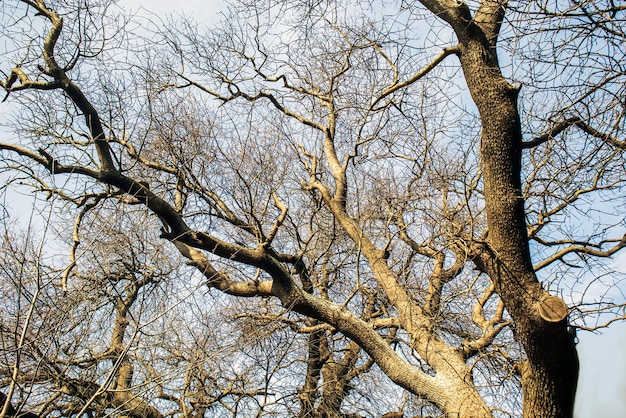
(582, 125)
(220, 280)
(420, 74)
(579, 249)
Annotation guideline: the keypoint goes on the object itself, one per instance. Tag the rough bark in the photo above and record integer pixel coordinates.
(549, 380)
(551, 371)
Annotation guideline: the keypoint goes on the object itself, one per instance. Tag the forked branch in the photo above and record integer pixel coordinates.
(580, 124)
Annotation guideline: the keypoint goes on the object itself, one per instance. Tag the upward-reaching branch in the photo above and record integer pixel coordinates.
(92, 119)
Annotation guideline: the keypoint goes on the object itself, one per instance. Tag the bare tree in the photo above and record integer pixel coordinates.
(107, 344)
(408, 194)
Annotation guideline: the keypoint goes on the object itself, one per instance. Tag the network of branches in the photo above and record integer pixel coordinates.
(308, 209)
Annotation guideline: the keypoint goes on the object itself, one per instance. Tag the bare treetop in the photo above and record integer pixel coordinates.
(313, 209)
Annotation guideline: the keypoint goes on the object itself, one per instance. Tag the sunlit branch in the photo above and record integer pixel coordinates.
(456, 13)
(279, 221)
(489, 17)
(490, 327)
(439, 278)
(417, 76)
(420, 249)
(15, 368)
(76, 241)
(582, 125)
(132, 152)
(337, 169)
(580, 250)
(220, 280)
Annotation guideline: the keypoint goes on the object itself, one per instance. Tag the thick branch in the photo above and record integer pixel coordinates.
(439, 278)
(92, 118)
(456, 13)
(489, 17)
(220, 280)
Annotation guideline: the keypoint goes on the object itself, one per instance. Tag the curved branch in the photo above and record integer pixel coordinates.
(220, 280)
(582, 125)
(76, 241)
(490, 327)
(439, 278)
(77, 96)
(251, 98)
(420, 74)
(279, 221)
(579, 249)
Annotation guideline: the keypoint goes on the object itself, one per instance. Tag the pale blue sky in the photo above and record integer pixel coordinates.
(602, 382)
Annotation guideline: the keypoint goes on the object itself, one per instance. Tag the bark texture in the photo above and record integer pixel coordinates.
(551, 372)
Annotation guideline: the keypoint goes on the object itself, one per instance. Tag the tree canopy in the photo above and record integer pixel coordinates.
(312, 209)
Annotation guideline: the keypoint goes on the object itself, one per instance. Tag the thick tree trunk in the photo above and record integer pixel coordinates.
(550, 374)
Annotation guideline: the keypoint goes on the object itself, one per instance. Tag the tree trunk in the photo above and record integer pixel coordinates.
(550, 374)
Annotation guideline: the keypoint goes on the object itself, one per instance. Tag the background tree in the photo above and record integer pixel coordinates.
(388, 198)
